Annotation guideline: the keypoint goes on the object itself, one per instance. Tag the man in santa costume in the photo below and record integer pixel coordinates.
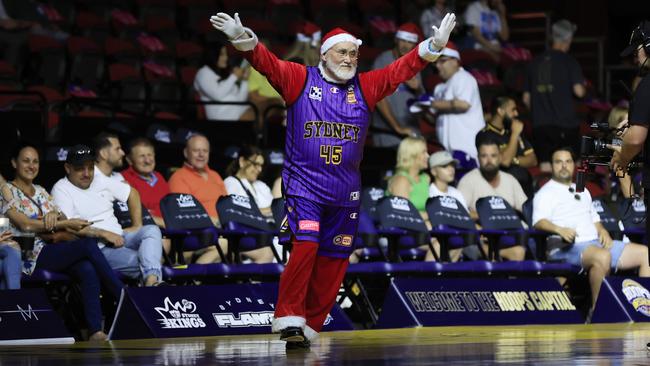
(328, 113)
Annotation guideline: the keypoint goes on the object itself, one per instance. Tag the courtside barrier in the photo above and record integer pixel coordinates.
(193, 311)
(623, 300)
(485, 301)
(27, 318)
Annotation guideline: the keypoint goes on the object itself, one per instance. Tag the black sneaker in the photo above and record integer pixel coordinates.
(304, 345)
(292, 334)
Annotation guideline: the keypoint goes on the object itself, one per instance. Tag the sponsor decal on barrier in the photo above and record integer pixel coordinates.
(193, 311)
(415, 302)
(179, 315)
(637, 295)
(623, 300)
(26, 317)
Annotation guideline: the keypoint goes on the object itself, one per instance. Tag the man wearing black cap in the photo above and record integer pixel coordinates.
(135, 251)
(639, 116)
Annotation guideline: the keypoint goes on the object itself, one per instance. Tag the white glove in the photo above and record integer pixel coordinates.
(232, 28)
(441, 35)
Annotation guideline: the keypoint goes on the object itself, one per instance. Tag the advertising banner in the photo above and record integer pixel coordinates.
(623, 300)
(193, 311)
(26, 317)
(485, 301)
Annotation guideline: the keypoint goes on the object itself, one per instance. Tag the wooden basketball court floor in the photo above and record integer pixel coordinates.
(611, 344)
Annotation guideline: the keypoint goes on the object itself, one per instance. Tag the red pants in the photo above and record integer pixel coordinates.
(309, 284)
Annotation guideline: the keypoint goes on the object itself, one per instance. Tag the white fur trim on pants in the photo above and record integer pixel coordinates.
(287, 321)
(426, 53)
(310, 334)
(245, 44)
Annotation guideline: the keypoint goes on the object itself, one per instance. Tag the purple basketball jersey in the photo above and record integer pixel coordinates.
(326, 130)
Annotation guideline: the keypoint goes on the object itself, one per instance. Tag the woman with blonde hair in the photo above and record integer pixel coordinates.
(409, 180)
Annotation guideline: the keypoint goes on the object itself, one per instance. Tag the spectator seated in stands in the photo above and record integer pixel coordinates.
(268, 101)
(196, 178)
(488, 180)
(456, 104)
(10, 262)
(432, 16)
(583, 241)
(142, 175)
(306, 46)
(220, 81)
(410, 182)
(442, 167)
(206, 185)
(488, 26)
(517, 154)
(88, 192)
(243, 180)
(34, 215)
(392, 113)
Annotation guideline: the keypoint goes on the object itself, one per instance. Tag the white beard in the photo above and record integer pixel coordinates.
(342, 74)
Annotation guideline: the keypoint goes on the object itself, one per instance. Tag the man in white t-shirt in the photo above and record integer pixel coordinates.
(88, 194)
(583, 241)
(456, 104)
(488, 25)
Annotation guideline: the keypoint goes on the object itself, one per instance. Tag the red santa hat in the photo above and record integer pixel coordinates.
(309, 32)
(409, 32)
(450, 51)
(335, 36)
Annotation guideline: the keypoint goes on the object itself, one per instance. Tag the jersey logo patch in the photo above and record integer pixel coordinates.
(343, 240)
(334, 90)
(351, 99)
(354, 196)
(309, 225)
(316, 93)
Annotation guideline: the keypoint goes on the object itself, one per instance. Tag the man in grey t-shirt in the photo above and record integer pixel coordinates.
(392, 113)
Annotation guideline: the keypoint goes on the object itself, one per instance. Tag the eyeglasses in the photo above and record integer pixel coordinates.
(256, 164)
(576, 195)
(342, 53)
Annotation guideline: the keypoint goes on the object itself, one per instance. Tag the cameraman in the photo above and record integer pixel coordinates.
(639, 116)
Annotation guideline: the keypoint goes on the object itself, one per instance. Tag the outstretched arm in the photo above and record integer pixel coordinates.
(286, 77)
(378, 84)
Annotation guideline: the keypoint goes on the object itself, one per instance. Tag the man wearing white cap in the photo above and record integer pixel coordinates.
(392, 112)
(328, 112)
(457, 104)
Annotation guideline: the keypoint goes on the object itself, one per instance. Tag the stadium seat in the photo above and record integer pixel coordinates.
(187, 224)
(401, 223)
(451, 225)
(244, 226)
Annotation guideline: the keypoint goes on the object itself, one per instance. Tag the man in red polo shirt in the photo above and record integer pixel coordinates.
(142, 176)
